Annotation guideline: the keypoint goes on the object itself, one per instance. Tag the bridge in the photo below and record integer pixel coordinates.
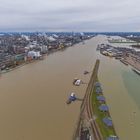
(87, 128)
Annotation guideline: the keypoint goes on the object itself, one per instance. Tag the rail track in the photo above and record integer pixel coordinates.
(87, 107)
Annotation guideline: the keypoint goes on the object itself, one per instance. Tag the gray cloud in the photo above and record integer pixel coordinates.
(73, 15)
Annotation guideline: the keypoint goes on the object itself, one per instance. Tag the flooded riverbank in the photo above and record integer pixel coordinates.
(33, 98)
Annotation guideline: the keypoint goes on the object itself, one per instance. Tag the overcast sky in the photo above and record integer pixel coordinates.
(70, 15)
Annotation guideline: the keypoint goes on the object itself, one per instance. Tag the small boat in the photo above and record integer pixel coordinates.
(75, 79)
(77, 82)
(71, 98)
(86, 72)
(136, 71)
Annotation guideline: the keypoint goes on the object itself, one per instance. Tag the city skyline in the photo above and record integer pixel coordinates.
(78, 15)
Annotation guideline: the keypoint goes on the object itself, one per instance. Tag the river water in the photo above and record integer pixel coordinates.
(33, 97)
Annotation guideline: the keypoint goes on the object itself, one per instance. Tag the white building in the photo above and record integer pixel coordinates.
(34, 54)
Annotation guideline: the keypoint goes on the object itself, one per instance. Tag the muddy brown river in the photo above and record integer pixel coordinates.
(33, 97)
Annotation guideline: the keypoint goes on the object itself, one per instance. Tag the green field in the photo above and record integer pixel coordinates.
(105, 130)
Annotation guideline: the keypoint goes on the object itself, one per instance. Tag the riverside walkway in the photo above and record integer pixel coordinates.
(87, 128)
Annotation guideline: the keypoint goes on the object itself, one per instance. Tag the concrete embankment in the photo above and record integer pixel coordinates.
(133, 60)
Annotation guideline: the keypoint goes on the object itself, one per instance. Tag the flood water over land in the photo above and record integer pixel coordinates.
(33, 98)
